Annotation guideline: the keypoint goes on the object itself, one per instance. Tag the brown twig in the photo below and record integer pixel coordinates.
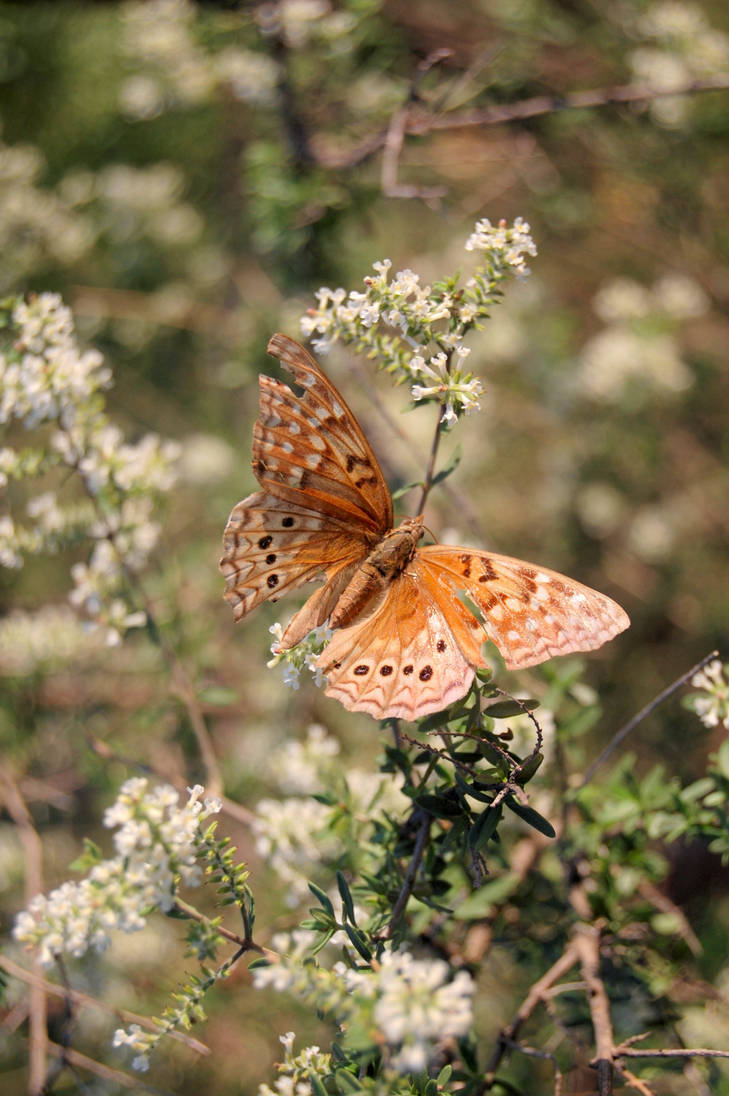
(33, 857)
(85, 1001)
(82, 1061)
(243, 944)
(624, 1051)
(587, 942)
(395, 137)
(625, 730)
(536, 995)
(421, 122)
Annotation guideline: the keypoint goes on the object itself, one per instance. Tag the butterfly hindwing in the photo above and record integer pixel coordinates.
(530, 613)
(401, 660)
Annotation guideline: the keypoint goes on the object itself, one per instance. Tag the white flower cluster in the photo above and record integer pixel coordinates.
(505, 246)
(684, 47)
(712, 710)
(301, 657)
(446, 382)
(637, 351)
(408, 1006)
(295, 1072)
(295, 835)
(156, 846)
(46, 379)
(36, 225)
(52, 636)
(399, 321)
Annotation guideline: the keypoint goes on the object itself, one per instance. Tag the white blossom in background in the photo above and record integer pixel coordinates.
(156, 846)
(294, 837)
(712, 709)
(302, 768)
(637, 351)
(680, 46)
(410, 1006)
(46, 379)
(50, 637)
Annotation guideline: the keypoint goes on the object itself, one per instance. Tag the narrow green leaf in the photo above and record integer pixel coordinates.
(439, 806)
(507, 709)
(359, 941)
(483, 830)
(531, 817)
(347, 1082)
(323, 899)
(346, 896)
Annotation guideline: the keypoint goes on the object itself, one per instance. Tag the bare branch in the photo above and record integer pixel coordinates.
(398, 909)
(625, 730)
(33, 857)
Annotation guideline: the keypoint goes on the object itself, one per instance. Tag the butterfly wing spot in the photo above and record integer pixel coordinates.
(272, 581)
(264, 542)
(441, 645)
(426, 673)
(466, 561)
(271, 558)
(293, 427)
(288, 523)
(407, 670)
(361, 670)
(385, 671)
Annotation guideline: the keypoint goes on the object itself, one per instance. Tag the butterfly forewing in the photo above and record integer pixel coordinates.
(310, 449)
(271, 546)
(530, 613)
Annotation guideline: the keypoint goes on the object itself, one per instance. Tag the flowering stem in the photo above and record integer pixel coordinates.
(430, 470)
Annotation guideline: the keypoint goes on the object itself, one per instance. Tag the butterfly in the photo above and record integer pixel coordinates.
(404, 644)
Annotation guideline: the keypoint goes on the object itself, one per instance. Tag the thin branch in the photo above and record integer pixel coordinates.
(395, 137)
(33, 857)
(430, 470)
(623, 1051)
(536, 995)
(408, 883)
(625, 730)
(243, 944)
(82, 1061)
(85, 1001)
(420, 122)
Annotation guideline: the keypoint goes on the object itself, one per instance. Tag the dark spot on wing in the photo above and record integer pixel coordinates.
(264, 542)
(426, 673)
(385, 671)
(441, 645)
(407, 670)
(353, 460)
(466, 561)
(365, 479)
(272, 581)
(271, 557)
(489, 574)
(287, 523)
(361, 670)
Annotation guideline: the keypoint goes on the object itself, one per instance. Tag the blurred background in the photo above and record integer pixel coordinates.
(187, 175)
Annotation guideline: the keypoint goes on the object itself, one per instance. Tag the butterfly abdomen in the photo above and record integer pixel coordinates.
(386, 561)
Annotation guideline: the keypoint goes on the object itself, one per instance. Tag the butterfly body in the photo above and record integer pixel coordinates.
(404, 642)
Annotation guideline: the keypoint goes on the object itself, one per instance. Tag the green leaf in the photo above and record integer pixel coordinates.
(722, 758)
(448, 468)
(346, 896)
(218, 696)
(507, 709)
(482, 902)
(317, 1085)
(439, 806)
(347, 1082)
(400, 491)
(323, 899)
(484, 828)
(531, 817)
(444, 1076)
(359, 941)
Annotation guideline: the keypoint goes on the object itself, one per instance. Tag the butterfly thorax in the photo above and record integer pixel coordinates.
(378, 570)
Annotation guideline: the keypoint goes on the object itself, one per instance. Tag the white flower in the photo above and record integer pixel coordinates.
(712, 710)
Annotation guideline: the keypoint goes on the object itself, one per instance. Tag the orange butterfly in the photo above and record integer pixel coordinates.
(404, 644)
